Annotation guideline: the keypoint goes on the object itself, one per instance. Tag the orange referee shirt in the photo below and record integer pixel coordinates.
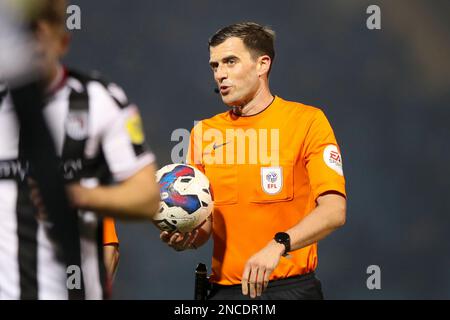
(266, 171)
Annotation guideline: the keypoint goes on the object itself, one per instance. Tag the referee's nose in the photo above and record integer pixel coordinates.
(221, 74)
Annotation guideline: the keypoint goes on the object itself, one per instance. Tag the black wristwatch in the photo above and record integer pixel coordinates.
(283, 238)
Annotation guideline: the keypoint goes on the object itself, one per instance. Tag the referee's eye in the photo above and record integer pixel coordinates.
(231, 62)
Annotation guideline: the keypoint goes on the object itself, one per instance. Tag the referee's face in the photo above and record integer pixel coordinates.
(235, 72)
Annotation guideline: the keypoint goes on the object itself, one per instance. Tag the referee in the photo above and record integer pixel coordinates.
(102, 157)
(270, 211)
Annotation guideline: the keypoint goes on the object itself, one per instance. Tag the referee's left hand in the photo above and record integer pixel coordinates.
(259, 267)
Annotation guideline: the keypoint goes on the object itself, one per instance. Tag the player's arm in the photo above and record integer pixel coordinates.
(136, 195)
(111, 258)
(111, 253)
(134, 198)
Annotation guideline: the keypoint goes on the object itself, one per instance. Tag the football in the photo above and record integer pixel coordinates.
(186, 198)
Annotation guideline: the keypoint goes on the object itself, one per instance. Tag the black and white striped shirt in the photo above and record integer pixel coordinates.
(98, 137)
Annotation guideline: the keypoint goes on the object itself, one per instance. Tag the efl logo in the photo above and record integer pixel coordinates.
(271, 179)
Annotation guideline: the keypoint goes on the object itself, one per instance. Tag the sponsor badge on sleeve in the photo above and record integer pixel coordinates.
(333, 159)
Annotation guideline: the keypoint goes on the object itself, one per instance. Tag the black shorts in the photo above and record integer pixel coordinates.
(303, 287)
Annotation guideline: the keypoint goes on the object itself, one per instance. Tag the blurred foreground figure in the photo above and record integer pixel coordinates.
(51, 243)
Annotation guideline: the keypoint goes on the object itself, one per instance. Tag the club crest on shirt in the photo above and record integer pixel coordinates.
(271, 179)
(332, 158)
(77, 125)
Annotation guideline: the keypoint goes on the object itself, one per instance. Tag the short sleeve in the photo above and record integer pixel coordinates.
(323, 158)
(109, 232)
(124, 145)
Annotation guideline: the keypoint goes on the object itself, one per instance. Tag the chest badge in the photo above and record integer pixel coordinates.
(77, 125)
(272, 179)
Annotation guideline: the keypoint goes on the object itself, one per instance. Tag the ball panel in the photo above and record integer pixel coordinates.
(186, 198)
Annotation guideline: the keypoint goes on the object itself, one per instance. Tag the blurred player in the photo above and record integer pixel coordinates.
(269, 213)
(99, 139)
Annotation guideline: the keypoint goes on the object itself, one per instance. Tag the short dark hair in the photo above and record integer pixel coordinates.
(258, 39)
(50, 11)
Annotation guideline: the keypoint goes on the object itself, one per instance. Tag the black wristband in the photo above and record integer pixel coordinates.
(283, 238)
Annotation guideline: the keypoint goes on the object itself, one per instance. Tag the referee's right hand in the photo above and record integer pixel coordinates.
(179, 241)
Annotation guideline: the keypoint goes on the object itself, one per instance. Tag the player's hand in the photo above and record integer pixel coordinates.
(259, 267)
(77, 195)
(36, 199)
(179, 241)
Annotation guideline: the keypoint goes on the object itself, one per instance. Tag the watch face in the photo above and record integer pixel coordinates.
(282, 237)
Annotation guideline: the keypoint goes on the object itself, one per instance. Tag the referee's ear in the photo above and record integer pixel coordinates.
(263, 65)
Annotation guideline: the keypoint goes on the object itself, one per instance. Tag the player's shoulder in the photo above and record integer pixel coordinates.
(99, 86)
